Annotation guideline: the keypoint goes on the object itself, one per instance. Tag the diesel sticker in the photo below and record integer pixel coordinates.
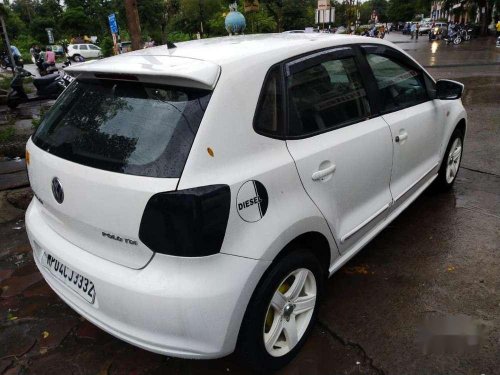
(252, 201)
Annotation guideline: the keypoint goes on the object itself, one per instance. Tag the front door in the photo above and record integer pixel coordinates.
(414, 119)
(343, 156)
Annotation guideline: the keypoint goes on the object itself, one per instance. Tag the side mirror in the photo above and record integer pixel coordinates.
(449, 90)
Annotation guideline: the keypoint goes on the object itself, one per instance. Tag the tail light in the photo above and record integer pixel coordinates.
(187, 223)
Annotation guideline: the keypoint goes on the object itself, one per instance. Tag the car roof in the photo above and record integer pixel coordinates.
(229, 53)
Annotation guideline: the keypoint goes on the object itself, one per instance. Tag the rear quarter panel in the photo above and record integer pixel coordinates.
(241, 155)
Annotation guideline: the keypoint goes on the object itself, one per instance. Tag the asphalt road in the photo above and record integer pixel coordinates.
(422, 298)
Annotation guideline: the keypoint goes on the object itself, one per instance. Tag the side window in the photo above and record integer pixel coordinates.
(400, 86)
(75, 47)
(93, 47)
(83, 46)
(268, 118)
(326, 96)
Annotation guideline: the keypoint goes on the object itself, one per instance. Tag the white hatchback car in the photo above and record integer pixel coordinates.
(194, 200)
(88, 51)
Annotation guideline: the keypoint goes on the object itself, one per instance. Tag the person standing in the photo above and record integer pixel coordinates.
(417, 30)
(413, 29)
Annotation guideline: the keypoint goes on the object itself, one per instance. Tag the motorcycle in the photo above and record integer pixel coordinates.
(5, 61)
(466, 33)
(48, 87)
(454, 36)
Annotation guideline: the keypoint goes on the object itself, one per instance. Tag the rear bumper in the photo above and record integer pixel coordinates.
(184, 307)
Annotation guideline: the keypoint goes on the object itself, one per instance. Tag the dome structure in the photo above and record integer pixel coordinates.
(235, 21)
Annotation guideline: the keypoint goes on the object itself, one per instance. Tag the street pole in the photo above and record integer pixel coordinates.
(133, 23)
(7, 42)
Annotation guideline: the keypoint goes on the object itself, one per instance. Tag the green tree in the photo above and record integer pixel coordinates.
(290, 14)
(260, 22)
(193, 16)
(37, 28)
(401, 10)
(75, 22)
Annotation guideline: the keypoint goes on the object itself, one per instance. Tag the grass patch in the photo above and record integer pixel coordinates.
(5, 83)
(38, 120)
(7, 134)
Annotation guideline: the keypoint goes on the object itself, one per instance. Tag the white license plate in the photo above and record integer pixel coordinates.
(78, 283)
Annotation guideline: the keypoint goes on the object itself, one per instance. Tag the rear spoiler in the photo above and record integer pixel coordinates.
(170, 70)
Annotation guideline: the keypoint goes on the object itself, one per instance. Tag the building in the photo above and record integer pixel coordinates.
(437, 11)
(459, 12)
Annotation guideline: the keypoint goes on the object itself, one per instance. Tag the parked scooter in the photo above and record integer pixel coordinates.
(454, 35)
(466, 33)
(48, 87)
(5, 61)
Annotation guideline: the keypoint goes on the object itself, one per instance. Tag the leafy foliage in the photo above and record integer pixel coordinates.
(179, 20)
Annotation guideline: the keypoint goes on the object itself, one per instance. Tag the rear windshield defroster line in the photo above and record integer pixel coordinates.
(126, 127)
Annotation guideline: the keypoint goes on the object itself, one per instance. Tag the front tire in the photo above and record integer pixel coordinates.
(282, 311)
(451, 162)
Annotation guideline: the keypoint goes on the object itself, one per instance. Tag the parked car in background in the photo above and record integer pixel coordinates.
(88, 51)
(425, 28)
(341, 30)
(407, 28)
(58, 49)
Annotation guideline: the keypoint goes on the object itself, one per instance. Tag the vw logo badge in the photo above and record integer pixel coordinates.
(57, 190)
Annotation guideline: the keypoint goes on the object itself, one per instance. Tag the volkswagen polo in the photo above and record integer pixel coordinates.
(193, 200)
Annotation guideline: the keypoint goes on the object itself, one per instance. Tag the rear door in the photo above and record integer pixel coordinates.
(415, 119)
(84, 51)
(102, 151)
(343, 151)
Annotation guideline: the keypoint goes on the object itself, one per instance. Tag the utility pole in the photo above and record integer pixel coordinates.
(133, 23)
(5, 36)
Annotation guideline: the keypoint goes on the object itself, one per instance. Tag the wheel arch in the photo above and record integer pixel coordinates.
(312, 241)
(462, 125)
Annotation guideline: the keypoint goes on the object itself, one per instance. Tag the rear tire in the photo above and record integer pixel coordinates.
(450, 165)
(282, 311)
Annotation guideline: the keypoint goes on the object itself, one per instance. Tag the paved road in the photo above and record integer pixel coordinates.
(438, 262)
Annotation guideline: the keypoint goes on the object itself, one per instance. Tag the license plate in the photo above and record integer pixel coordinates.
(78, 283)
(68, 78)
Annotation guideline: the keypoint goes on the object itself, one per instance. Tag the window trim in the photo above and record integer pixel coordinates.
(392, 53)
(281, 133)
(367, 77)
(336, 53)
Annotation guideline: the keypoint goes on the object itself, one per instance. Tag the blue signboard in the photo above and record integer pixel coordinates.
(112, 23)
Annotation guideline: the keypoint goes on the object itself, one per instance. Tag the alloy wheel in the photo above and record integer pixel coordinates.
(290, 312)
(453, 161)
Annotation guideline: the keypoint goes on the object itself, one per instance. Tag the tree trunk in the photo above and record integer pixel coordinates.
(133, 23)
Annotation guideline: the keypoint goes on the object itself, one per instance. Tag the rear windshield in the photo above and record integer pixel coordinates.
(132, 128)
